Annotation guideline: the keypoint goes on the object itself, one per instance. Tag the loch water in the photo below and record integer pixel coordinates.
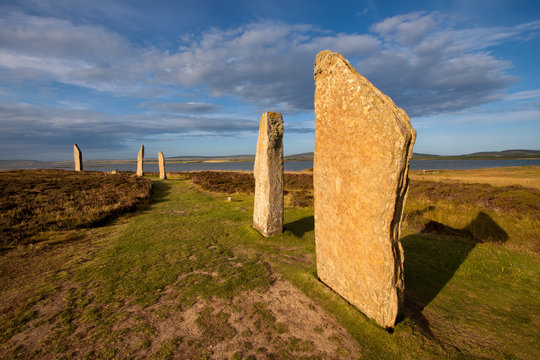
(248, 165)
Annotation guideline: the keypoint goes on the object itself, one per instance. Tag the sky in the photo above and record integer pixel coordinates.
(194, 77)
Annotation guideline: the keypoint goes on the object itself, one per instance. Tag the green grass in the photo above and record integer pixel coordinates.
(184, 241)
(467, 296)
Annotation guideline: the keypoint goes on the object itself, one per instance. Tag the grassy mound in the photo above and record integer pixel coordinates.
(36, 201)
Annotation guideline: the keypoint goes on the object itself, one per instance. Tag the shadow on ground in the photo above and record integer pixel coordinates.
(301, 226)
(160, 190)
(433, 256)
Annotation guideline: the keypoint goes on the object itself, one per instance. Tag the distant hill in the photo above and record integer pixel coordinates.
(307, 156)
(516, 152)
(10, 163)
(212, 158)
(506, 154)
(491, 155)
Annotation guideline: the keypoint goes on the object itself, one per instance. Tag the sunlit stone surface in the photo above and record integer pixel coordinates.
(77, 155)
(363, 143)
(161, 160)
(140, 161)
(268, 172)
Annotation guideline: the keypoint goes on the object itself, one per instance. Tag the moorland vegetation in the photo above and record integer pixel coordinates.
(186, 276)
(33, 202)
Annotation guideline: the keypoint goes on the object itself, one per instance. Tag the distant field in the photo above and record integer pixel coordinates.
(528, 176)
(187, 277)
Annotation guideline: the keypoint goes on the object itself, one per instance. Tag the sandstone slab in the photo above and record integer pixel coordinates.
(363, 143)
(161, 162)
(268, 172)
(77, 156)
(140, 161)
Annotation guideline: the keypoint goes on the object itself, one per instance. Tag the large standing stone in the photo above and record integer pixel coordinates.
(161, 160)
(140, 161)
(268, 172)
(77, 156)
(363, 143)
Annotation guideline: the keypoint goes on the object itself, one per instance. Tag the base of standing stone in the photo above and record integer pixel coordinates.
(267, 234)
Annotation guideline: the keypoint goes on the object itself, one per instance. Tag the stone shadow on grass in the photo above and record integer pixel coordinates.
(433, 256)
(160, 191)
(301, 226)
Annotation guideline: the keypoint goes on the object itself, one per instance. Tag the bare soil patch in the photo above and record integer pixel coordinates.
(279, 322)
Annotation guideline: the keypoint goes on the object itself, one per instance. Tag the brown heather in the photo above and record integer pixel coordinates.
(298, 187)
(36, 201)
(515, 199)
(243, 182)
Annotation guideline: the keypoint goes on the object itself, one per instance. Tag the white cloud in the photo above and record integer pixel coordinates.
(300, 127)
(406, 29)
(187, 107)
(524, 95)
(55, 49)
(502, 117)
(419, 59)
(427, 67)
(27, 128)
(363, 12)
(56, 37)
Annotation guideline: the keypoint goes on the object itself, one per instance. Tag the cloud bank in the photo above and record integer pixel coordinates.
(418, 59)
(427, 63)
(28, 129)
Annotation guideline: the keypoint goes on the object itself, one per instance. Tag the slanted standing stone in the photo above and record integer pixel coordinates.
(161, 160)
(77, 155)
(363, 143)
(268, 172)
(140, 161)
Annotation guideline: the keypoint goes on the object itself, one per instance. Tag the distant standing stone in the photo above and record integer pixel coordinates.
(162, 173)
(363, 143)
(77, 155)
(268, 172)
(140, 161)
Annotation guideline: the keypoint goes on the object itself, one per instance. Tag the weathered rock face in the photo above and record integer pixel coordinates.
(161, 160)
(268, 172)
(140, 161)
(77, 156)
(363, 143)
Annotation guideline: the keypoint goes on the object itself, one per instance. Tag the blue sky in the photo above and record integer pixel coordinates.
(194, 77)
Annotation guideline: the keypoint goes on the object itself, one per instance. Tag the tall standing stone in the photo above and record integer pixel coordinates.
(363, 143)
(140, 161)
(77, 156)
(161, 160)
(268, 172)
